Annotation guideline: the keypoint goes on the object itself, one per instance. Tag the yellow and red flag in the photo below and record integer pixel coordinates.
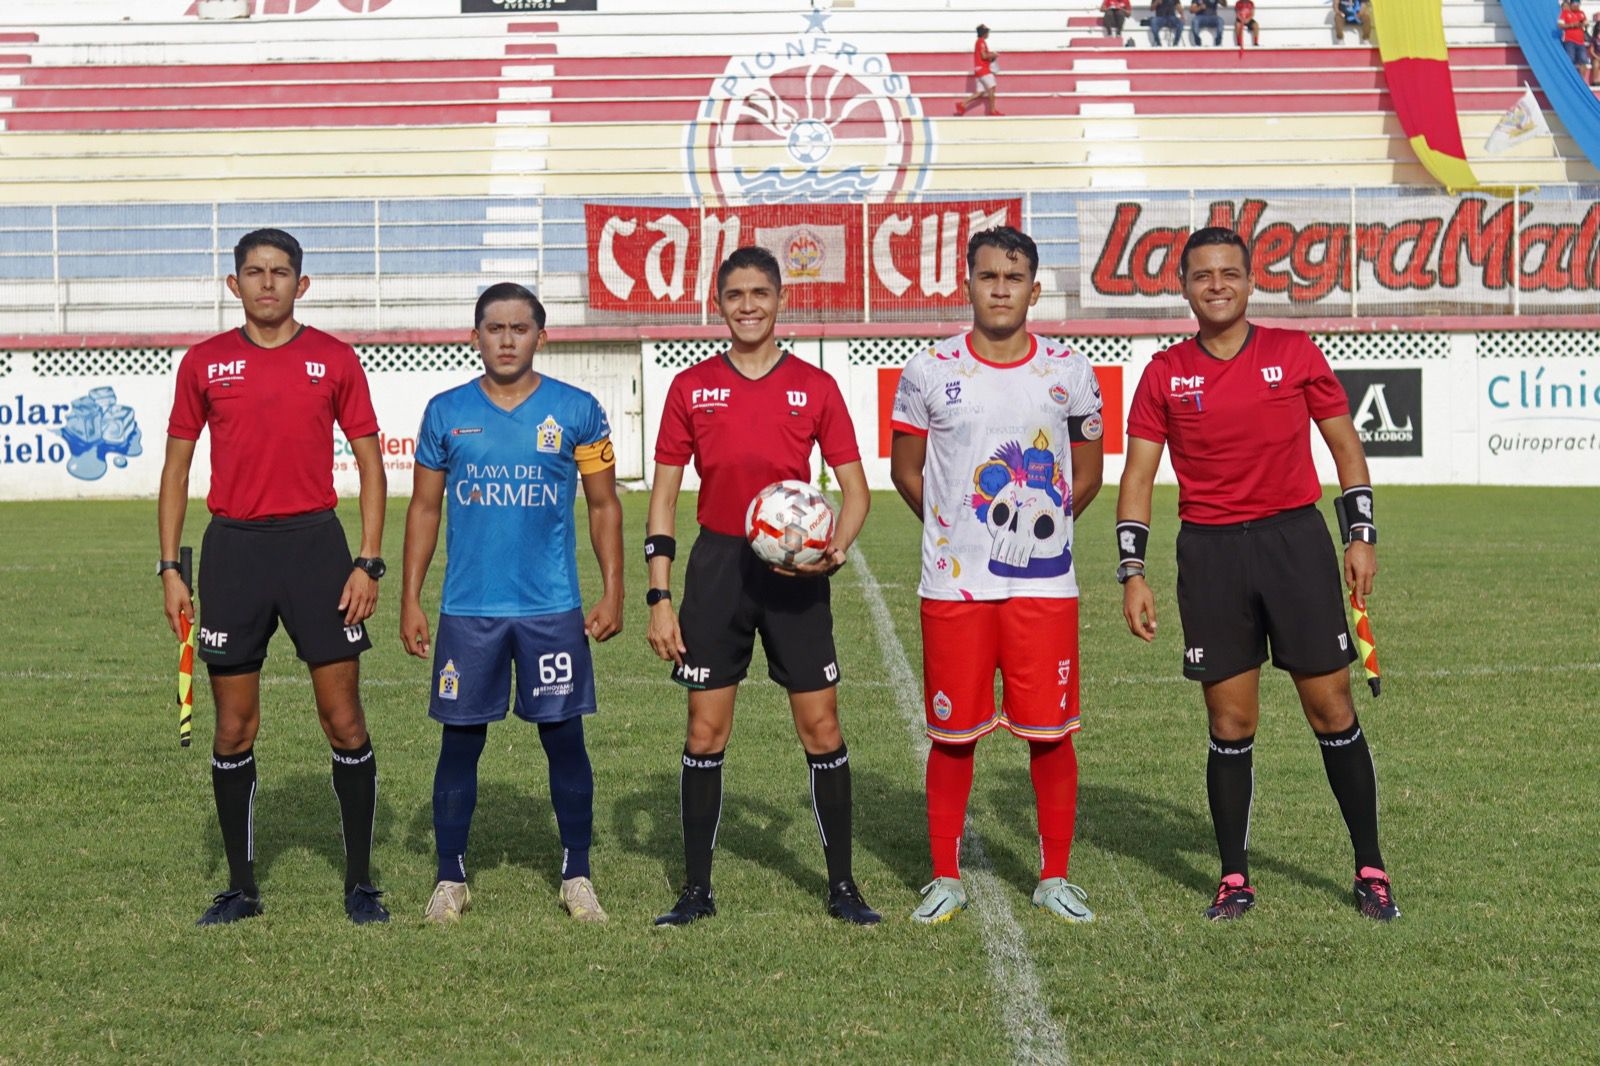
(1416, 64)
(1366, 643)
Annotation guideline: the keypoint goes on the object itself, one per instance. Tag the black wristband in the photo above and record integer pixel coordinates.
(1133, 538)
(660, 546)
(1358, 511)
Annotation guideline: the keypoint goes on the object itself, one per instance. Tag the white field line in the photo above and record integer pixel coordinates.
(1034, 1034)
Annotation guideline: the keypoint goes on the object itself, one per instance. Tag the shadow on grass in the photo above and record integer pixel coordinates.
(644, 822)
(891, 822)
(294, 812)
(511, 826)
(1172, 841)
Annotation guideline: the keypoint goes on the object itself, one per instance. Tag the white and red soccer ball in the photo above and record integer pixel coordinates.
(789, 524)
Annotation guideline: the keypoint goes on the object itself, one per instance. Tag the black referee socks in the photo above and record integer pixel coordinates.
(700, 801)
(1348, 761)
(830, 801)
(1230, 787)
(355, 782)
(233, 783)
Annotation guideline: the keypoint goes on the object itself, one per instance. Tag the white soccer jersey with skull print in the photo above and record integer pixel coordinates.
(997, 483)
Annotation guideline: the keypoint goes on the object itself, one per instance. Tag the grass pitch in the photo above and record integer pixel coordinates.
(1486, 740)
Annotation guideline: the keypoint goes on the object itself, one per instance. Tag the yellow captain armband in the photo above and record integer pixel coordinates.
(593, 458)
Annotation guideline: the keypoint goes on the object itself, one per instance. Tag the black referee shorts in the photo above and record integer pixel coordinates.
(729, 596)
(254, 573)
(1274, 581)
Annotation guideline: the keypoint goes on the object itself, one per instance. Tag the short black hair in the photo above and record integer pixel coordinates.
(983, 31)
(271, 238)
(1009, 240)
(1207, 236)
(507, 290)
(750, 256)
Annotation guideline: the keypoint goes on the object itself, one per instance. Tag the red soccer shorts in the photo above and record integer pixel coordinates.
(1033, 643)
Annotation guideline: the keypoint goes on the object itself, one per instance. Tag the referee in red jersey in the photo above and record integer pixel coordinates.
(270, 393)
(747, 418)
(1256, 566)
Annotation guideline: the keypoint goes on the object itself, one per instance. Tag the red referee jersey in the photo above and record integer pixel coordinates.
(745, 434)
(271, 413)
(1238, 429)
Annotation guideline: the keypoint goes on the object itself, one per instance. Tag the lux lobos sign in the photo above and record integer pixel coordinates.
(1402, 251)
(655, 259)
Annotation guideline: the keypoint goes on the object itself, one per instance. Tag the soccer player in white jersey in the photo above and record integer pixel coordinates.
(507, 450)
(997, 448)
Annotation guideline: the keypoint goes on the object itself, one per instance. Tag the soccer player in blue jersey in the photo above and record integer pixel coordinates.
(507, 450)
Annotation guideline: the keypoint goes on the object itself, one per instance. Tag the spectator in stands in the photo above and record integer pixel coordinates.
(1594, 50)
(1573, 38)
(1348, 14)
(1164, 15)
(983, 67)
(1203, 16)
(1244, 18)
(1113, 14)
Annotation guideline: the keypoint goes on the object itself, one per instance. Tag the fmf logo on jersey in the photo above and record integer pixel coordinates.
(1386, 406)
(1187, 384)
(710, 397)
(233, 370)
(811, 117)
(95, 433)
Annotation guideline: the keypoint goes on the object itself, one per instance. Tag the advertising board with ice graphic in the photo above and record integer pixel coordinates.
(100, 431)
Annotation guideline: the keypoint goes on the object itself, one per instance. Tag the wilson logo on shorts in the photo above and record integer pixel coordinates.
(353, 634)
(942, 706)
(449, 681)
(831, 671)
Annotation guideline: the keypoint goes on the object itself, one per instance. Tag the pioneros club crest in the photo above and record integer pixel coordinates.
(809, 118)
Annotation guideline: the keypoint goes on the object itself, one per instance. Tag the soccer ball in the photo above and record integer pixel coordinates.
(788, 524)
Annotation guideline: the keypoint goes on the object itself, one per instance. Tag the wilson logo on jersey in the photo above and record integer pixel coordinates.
(1272, 375)
(796, 398)
(316, 371)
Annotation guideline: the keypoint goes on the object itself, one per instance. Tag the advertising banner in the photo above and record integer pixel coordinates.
(1539, 420)
(878, 260)
(1393, 255)
(1386, 406)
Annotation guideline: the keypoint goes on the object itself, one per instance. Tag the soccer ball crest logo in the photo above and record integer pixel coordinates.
(809, 118)
(788, 524)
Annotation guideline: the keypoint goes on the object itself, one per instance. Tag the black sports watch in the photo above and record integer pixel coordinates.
(655, 596)
(372, 565)
(1124, 572)
(167, 564)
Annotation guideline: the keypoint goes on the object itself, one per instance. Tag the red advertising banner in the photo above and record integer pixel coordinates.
(878, 260)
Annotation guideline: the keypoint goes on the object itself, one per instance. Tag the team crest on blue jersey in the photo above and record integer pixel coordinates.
(1021, 496)
(549, 435)
(449, 681)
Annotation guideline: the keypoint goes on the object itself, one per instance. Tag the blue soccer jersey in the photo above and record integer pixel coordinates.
(510, 484)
